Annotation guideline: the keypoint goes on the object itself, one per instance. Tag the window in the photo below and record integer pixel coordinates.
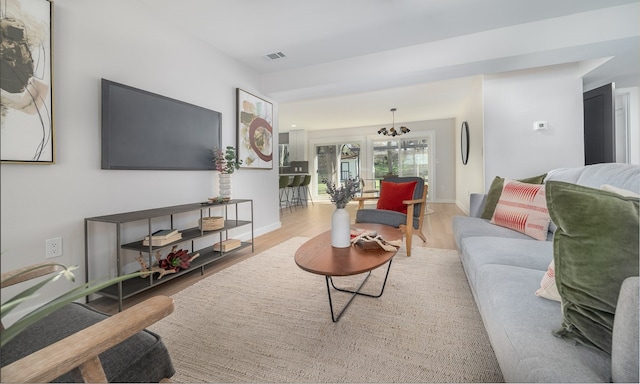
(402, 157)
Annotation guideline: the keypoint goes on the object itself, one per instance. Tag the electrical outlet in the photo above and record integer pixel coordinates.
(53, 247)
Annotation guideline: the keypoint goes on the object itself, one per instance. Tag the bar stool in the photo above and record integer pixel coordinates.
(295, 183)
(305, 186)
(283, 185)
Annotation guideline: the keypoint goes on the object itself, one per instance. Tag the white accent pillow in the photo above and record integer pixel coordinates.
(619, 191)
(548, 288)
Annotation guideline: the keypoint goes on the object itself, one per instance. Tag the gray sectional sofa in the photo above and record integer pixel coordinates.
(504, 268)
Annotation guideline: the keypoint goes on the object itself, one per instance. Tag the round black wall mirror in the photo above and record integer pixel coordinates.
(464, 142)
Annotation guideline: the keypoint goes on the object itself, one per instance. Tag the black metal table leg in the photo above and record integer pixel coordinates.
(328, 279)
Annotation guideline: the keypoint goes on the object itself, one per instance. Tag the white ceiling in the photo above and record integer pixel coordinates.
(348, 62)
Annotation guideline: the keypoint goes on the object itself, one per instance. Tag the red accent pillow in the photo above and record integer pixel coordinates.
(392, 195)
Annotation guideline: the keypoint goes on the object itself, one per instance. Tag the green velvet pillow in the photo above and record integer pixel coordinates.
(595, 248)
(495, 190)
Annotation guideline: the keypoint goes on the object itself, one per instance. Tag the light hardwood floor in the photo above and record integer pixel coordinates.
(308, 222)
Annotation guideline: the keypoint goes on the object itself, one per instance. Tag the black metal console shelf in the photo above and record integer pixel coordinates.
(128, 288)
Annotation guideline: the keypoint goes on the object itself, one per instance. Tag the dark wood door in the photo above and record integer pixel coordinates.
(599, 125)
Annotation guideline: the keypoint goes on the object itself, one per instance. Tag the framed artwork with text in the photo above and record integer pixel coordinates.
(255, 131)
(26, 82)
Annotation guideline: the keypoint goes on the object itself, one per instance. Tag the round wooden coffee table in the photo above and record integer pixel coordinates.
(319, 257)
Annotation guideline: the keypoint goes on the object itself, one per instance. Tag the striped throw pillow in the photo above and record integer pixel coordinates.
(523, 208)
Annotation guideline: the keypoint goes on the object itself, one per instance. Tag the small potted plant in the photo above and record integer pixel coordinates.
(226, 163)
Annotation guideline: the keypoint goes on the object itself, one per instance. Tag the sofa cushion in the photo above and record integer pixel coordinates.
(391, 218)
(464, 226)
(625, 176)
(523, 208)
(526, 253)
(140, 358)
(393, 194)
(595, 249)
(520, 324)
(495, 190)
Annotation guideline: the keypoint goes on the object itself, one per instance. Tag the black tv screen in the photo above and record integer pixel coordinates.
(143, 130)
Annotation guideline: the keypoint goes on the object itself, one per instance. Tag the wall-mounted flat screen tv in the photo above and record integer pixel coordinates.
(143, 130)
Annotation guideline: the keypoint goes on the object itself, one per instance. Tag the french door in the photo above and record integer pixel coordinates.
(336, 163)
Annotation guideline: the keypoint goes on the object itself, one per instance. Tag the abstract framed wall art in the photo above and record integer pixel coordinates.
(26, 82)
(255, 131)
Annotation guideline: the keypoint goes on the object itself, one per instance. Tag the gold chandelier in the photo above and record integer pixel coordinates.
(392, 131)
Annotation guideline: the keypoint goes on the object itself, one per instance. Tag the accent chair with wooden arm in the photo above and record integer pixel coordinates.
(77, 343)
(397, 206)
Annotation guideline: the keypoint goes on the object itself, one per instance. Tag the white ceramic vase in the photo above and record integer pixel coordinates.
(225, 185)
(340, 228)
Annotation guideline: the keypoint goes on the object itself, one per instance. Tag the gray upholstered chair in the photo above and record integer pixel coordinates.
(76, 343)
(410, 222)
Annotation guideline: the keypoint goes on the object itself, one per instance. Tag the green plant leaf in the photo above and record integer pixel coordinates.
(59, 302)
(9, 305)
(24, 295)
(12, 303)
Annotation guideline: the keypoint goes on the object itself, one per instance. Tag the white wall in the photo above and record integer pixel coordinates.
(513, 102)
(633, 122)
(470, 177)
(444, 159)
(121, 41)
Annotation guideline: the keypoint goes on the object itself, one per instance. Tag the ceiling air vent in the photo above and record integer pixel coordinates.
(276, 56)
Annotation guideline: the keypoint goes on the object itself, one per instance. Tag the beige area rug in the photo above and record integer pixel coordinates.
(266, 320)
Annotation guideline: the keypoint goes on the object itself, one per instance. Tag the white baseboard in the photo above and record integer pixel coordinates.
(462, 208)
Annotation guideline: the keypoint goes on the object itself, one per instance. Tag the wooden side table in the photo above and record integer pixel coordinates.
(319, 257)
